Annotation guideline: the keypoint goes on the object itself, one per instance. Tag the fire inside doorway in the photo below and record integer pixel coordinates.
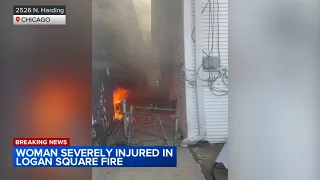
(118, 95)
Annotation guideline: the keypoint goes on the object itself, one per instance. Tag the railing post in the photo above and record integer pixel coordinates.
(176, 128)
(124, 112)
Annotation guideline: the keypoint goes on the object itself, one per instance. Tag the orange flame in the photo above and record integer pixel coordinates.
(118, 95)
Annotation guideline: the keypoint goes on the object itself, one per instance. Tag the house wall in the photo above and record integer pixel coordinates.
(178, 88)
(215, 107)
(195, 101)
(168, 36)
(161, 40)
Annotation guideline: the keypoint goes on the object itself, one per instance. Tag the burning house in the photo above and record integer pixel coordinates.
(185, 58)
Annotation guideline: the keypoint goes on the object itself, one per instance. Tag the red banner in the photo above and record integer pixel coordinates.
(41, 141)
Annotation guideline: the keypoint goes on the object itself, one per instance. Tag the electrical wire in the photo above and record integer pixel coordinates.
(218, 76)
(215, 166)
(212, 171)
(190, 82)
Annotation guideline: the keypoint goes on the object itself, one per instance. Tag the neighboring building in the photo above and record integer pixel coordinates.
(187, 25)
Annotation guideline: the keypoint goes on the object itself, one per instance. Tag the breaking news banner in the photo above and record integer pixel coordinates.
(39, 15)
(56, 152)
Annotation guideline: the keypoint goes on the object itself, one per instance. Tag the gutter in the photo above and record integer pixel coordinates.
(199, 83)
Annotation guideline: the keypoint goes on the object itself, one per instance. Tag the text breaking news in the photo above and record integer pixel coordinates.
(39, 15)
(56, 152)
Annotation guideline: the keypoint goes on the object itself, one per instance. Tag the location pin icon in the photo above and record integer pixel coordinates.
(17, 19)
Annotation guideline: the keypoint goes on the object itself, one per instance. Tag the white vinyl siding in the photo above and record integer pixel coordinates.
(215, 107)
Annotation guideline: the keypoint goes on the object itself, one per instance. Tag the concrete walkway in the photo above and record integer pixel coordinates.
(147, 132)
(187, 169)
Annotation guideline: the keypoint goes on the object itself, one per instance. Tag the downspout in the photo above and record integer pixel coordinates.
(199, 83)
